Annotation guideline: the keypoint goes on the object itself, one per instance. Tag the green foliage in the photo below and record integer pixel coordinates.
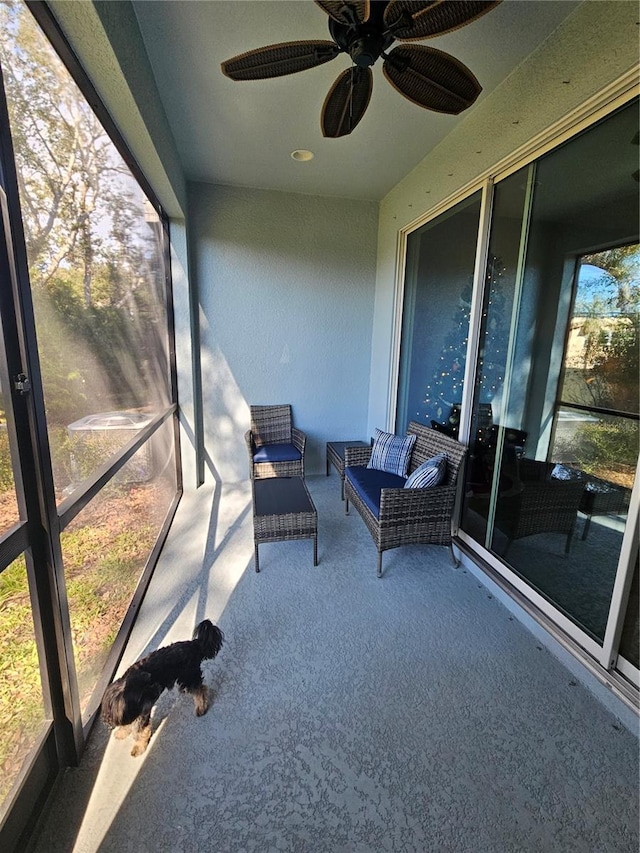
(616, 366)
(610, 445)
(88, 355)
(6, 468)
(95, 260)
(610, 308)
(621, 268)
(103, 558)
(21, 708)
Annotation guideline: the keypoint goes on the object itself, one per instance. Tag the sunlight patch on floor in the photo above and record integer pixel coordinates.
(117, 775)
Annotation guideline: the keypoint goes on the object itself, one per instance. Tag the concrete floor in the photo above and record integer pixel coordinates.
(350, 713)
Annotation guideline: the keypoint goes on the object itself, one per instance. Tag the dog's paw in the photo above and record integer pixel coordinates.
(138, 749)
(202, 707)
(201, 701)
(122, 732)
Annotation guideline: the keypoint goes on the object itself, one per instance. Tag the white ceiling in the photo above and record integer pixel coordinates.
(242, 133)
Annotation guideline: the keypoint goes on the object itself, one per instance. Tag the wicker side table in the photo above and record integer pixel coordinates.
(283, 511)
(335, 457)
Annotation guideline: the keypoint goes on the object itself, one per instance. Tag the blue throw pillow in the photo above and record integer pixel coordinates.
(391, 453)
(430, 473)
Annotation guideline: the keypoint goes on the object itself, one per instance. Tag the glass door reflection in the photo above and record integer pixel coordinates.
(554, 434)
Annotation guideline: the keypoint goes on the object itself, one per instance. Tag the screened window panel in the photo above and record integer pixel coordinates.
(95, 252)
(23, 714)
(105, 549)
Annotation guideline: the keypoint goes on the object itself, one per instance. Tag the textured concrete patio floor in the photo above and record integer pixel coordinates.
(350, 714)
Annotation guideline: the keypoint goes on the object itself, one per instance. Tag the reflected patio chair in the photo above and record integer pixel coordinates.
(276, 448)
(539, 503)
(600, 497)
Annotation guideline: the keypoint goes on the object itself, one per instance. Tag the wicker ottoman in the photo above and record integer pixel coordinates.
(283, 511)
(335, 456)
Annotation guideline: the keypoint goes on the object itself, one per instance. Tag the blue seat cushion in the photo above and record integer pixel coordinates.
(369, 483)
(277, 453)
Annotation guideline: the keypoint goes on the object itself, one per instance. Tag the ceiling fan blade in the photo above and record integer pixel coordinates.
(412, 19)
(276, 60)
(346, 102)
(431, 78)
(346, 11)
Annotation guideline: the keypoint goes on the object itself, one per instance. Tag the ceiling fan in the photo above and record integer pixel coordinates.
(366, 29)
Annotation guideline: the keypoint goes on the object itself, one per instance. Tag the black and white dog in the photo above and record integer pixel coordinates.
(127, 703)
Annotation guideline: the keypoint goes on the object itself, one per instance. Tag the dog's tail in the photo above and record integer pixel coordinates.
(209, 637)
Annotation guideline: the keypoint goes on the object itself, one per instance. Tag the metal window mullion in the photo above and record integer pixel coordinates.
(475, 313)
(396, 330)
(511, 346)
(406, 312)
(12, 544)
(598, 410)
(171, 342)
(628, 670)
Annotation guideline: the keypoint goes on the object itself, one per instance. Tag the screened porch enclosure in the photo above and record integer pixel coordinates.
(508, 315)
(89, 474)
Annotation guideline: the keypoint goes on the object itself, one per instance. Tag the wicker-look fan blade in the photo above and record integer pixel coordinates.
(431, 78)
(346, 11)
(276, 60)
(411, 19)
(346, 102)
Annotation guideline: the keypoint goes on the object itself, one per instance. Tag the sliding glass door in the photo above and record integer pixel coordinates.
(554, 430)
(435, 324)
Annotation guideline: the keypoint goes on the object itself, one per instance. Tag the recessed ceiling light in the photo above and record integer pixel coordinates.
(302, 155)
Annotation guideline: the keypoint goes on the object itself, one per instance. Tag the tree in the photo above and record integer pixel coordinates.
(93, 259)
(444, 393)
(610, 361)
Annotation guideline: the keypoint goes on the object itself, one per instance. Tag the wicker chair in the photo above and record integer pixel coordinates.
(410, 516)
(600, 497)
(539, 503)
(275, 446)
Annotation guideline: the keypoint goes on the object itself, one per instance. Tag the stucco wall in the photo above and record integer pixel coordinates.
(592, 48)
(286, 288)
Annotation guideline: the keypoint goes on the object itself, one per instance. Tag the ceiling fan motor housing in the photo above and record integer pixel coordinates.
(365, 50)
(364, 43)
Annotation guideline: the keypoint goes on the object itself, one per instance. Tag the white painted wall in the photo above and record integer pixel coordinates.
(592, 48)
(286, 287)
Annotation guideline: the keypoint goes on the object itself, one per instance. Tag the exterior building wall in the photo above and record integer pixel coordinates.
(591, 49)
(286, 284)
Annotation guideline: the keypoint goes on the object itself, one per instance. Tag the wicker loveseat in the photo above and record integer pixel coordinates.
(405, 516)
